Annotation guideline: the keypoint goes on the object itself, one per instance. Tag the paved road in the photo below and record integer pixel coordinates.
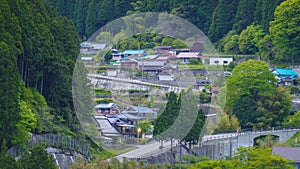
(147, 150)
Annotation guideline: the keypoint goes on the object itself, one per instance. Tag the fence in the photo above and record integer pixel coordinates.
(53, 140)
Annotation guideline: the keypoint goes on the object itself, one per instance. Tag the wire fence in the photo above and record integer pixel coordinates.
(52, 140)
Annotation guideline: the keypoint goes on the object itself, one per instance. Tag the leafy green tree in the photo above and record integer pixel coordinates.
(144, 125)
(259, 158)
(104, 37)
(6, 161)
(228, 124)
(36, 157)
(251, 82)
(251, 78)
(26, 124)
(245, 110)
(285, 31)
(232, 46)
(293, 120)
(249, 38)
(275, 108)
(244, 15)
(266, 49)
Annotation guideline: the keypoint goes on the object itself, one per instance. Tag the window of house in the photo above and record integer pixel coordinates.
(225, 62)
(216, 62)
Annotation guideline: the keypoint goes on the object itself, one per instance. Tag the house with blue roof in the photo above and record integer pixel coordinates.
(286, 76)
(134, 53)
(285, 73)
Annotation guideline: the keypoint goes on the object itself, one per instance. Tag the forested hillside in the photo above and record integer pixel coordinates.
(235, 26)
(38, 49)
(214, 17)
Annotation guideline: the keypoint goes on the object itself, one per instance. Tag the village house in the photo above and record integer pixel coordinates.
(220, 61)
(129, 64)
(285, 76)
(133, 114)
(134, 53)
(107, 108)
(185, 57)
(91, 48)
(151, 67)
(162, 50)
(116, 55)
(175, 52)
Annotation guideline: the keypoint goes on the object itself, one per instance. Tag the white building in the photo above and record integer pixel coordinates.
(220, 61)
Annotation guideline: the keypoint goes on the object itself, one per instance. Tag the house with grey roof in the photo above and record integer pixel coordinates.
(135, 113)
(151, 67)
(107, 108)
(185, 57)
(290, 153)
(91, 48)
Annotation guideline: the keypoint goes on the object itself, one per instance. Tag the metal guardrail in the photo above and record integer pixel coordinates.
(230, 135)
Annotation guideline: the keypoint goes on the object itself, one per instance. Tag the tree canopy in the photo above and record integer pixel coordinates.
(253, 96)
(285, 31)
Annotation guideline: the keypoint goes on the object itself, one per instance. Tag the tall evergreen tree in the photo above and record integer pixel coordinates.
(244, 15)
(80, 15)
(222, 19)
(264, 12)
(166, 119)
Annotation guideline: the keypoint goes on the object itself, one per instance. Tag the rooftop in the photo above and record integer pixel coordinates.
(291, 153)
(105, 105)
(152, 63)
(139, 109)
(133, 52)
(150, 57)
(285, 72)
(162, 47)
(87, 58)
(188, 55)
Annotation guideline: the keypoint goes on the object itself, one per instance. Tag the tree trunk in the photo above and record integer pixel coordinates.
(189, 152)
(180, 154)
(42, 84)
(171, 160)
(161, 160)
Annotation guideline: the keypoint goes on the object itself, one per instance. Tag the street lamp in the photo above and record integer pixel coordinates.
(138, 135)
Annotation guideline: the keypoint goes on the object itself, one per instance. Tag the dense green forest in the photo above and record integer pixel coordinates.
(38, 52)
(214, 17)
(235, 26)
(39, 47)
